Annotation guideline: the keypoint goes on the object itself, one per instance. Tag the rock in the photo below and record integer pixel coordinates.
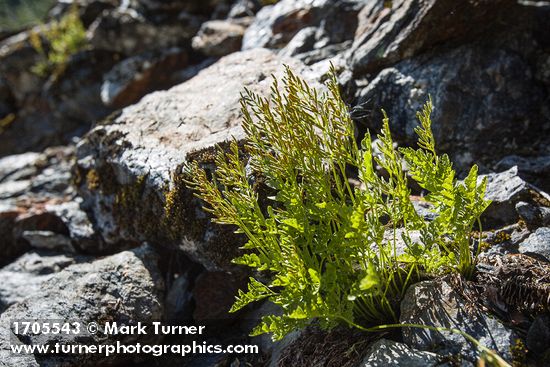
(79, 227)
(7, 357)
(389, 32)
(244, 8)
(17, 57)
(533, 215)
(48, 111)
(24, 277)
(18, 167)
(130, 33)
(134, 77)
(424, 209)
(252, 316)
(435, 303)
(305, 47)
(386, 352)
(48, 240)
(218, 38)
(501, 113)
(28, 182)
(123, 288)
(505, 240)
(277, 348)
(88, 10)
(21, 87)
(538, 243)
(192, 6)
(38, 206)
(74, 96)
(533, 169)
(505, 190)
(129, 166)
(275, 26)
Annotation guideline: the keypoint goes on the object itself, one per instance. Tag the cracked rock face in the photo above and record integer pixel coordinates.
(392, 31)
(131, 163)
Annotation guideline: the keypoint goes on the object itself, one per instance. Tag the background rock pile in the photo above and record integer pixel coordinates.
(96, 222)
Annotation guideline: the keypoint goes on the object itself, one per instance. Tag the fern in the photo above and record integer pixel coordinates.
(64, 38)
(320, 240)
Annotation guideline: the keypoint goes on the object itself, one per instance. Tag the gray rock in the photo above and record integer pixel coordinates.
(533, 169)
(130, 33)
(7, 357)
(24, 277)
(73, 96)
(80, 229)
(48, 240)
(17, 59)
(386, 352)
(391, 31)
(244, 8)
(134, 77)
(424, 209)
(505, 190)
(128, 164)
(29, 182)
(500, 112)
(18, 167)
(435, 303)
(505, 240)
(533, 215)
(310, 46)
(123, 288)
(538, 243)
(252, 318)
(219, 38)
(276, 25)
(48, 111)
(191, 6)
(7, 101)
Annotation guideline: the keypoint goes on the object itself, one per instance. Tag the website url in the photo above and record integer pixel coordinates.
(156, 350)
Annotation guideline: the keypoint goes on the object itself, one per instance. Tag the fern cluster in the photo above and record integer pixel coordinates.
(318, 245)
(64, 38)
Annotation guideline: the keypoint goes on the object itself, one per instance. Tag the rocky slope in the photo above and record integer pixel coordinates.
(96, 222)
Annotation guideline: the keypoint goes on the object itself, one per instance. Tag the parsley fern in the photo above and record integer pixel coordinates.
(321, 240)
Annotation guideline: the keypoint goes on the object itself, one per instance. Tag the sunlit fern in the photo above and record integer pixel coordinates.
(320, 241)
